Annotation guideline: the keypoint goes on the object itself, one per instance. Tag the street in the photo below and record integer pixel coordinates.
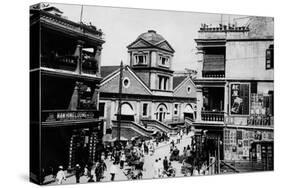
(160, 152)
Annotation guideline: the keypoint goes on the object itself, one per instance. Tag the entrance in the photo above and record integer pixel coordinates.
(161, 113)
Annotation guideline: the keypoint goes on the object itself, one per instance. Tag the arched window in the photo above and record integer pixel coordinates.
(127, 112)
(161, 112)
(188, 112)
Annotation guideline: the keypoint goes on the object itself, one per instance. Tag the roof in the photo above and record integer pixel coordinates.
(106, 70)
(151, 36)
(177, 80)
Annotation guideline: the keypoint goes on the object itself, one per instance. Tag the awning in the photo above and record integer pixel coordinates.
(213, 63)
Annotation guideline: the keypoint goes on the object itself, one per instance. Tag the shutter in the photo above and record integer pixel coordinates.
(213, 63)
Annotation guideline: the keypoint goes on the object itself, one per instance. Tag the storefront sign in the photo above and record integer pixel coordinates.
(239, 98)
(69, 115)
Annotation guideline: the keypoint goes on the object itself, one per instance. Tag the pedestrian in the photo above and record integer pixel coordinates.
(98, 171)
(91, 174)
(103, 168)
(178, 138)
(165, 163)
(60, 175)
(181, 134)
(77, 173)
(113, 170)
(184, 152)
(156, 168)
(141, 162)
(122, 160)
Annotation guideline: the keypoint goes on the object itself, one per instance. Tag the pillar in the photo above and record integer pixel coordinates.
(199, 94)
(98, 58)
(200, 59)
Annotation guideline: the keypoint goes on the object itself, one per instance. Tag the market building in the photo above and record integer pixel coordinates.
(153, 99)
(235, 90)
(65, 78)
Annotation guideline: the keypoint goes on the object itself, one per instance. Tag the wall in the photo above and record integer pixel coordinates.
(246, 60)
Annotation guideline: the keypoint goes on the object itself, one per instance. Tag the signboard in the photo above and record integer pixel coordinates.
(239, 98)
(69, 115)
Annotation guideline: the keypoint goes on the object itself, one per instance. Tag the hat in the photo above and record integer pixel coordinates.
(60, 167)
(77, 165)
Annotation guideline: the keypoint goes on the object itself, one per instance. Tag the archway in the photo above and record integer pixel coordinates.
(127, 112)
(188, 112)
(161, 112)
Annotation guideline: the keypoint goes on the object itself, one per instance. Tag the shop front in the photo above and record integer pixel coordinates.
(70, 141)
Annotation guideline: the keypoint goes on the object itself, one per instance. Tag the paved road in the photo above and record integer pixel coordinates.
(160, 152)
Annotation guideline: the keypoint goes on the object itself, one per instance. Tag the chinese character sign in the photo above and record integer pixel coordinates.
(239, 96)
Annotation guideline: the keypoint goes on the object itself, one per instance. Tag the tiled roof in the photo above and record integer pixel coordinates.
(177, 80)
(106, 70)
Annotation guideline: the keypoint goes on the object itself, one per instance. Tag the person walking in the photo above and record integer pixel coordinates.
(60, 175)
(77, 173)
(98, 172)
(122, 160)
(165, 163)
(113, 170)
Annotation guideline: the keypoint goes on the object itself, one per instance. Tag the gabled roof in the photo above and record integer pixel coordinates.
(106, 70)
(177, 80)
(111, 72)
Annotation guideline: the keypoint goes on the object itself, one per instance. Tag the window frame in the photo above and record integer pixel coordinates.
(144, 115)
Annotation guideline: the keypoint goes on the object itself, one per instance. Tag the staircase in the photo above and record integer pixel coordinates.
(159, 126)
(246, 166)
(137, 128)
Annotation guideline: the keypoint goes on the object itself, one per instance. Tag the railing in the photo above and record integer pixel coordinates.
(212, 116)
(130, 124)
(69, 62)
(159, 125)
(213, 74)
(67, 115)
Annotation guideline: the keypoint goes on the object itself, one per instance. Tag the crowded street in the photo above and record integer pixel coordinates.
(161, 151)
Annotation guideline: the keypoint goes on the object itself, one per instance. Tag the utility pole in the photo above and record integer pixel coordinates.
(119, 103)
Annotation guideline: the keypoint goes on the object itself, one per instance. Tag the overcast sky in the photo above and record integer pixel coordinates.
(122, 26)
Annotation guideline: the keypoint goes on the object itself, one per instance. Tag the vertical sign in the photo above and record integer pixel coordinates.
(239, 98)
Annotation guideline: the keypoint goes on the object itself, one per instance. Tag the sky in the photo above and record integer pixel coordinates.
(122, 26)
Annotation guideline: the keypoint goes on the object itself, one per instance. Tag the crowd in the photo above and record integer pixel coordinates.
(129, 158)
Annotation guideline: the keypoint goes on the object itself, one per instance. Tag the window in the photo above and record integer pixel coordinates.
(188, 89)
(144, 109)
(140, 59)
(269, 57)
(126, 82)
(101, 109)
(176, 109)
(164, 60)
(163, 83)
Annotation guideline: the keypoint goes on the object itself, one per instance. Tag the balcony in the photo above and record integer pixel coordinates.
(51, 116)
(213, 74)
(212, 116)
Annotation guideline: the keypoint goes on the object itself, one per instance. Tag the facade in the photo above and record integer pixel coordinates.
(153, 99)
(235, 89)
(65, 78)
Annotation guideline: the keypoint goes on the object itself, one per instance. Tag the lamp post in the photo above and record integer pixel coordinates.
(119, 104)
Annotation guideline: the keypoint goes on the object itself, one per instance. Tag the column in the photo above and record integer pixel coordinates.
(78, 53)
(98, 58)
(200, 59)
(199, 93)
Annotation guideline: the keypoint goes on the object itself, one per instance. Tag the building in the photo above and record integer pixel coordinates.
(153, 99)
(65, 59)
(235, 89)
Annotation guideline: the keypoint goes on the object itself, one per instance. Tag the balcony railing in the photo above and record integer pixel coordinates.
(213, 74)
(212, 116)
(69, 62)
(67, 115)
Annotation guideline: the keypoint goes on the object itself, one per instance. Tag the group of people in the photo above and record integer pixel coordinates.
(162, 168)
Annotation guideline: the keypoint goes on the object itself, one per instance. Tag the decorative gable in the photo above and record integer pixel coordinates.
(185, 89)
(140, 43)
(131, 84)
(166, 46)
